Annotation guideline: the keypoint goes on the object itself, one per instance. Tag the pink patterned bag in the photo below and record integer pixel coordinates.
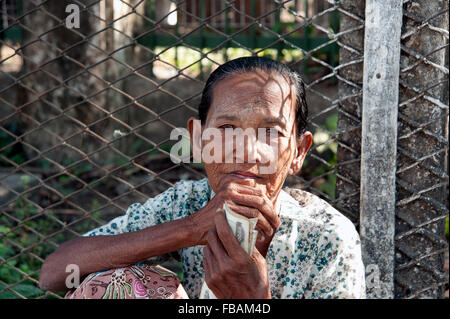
(140, 281)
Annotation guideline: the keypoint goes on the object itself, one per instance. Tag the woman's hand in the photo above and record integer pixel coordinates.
(244, 199)
(229, 271)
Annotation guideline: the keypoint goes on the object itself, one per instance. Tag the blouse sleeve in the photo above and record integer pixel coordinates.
(176, 202)
(119, 224)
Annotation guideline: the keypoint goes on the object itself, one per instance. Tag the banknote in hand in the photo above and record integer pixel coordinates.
(244, 230)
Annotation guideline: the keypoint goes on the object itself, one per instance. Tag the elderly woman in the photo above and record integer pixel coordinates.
(304, 248)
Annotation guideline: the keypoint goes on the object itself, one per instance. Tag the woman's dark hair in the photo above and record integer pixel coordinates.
(249, 64)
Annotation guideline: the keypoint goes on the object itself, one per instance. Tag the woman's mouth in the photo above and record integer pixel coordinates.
(244, 175)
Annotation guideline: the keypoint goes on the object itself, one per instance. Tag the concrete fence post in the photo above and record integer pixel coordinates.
(383, 22)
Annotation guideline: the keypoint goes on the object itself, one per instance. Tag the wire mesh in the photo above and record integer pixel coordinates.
(86, 114)
(422, 167)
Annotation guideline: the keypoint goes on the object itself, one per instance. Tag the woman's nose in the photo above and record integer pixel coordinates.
(245, 148)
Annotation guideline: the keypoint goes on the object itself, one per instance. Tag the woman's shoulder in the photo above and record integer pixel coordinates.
(192, 189)
(314, 213)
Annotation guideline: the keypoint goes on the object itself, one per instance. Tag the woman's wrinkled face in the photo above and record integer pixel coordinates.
(257, 100)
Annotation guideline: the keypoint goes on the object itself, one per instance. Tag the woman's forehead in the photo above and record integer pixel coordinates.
(272, 83)
(258, 91)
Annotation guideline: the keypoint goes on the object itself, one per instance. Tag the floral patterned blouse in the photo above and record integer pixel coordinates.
(315, 253)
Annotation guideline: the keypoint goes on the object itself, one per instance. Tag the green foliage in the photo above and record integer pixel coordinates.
(27, 290)
(329, 186)
(331, 122)
(15, 263)
(446, 227)
(21, 243)
(14, 153)
(166, 146)
(328, 151)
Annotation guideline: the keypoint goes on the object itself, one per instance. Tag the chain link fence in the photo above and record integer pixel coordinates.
(86, 112)
(422, 149)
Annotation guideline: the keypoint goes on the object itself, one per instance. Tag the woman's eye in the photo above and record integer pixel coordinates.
(226, 126)
(271, 130)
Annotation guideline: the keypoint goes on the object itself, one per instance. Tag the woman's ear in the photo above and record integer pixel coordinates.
(195, 132)
(303, 145)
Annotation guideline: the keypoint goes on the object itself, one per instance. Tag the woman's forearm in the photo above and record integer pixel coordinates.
(98, 253)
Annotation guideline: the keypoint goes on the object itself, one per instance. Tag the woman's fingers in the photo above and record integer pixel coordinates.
(261, 203)
(209, 266)
(223, 254)
(216, 247)
(243, 187)
(251, 202)
(229, 270)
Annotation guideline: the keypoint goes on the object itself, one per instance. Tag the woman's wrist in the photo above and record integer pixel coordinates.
(195, 232)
